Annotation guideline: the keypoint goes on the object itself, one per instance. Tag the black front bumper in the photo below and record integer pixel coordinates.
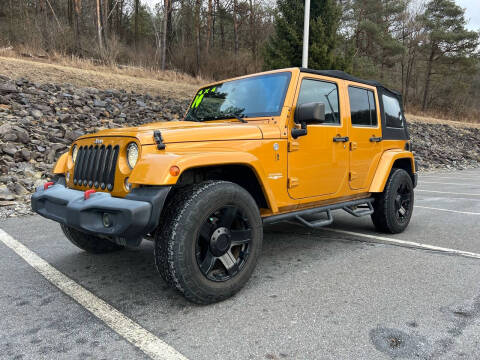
(131, 217)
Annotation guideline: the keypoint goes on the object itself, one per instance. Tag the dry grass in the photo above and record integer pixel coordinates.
(432, 120)
(85, 73)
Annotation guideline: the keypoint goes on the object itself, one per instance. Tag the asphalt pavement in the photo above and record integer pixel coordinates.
(318, 294)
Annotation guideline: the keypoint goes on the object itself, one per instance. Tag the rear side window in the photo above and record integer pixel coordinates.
(393, 112)
(323, 92)
(362, 107)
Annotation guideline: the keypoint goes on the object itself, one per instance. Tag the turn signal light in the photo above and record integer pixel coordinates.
(174, 170)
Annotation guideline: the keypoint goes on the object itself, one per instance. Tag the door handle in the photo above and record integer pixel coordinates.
(340, 139)
(375, 139)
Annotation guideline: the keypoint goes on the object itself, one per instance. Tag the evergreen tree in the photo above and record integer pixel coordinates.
(284, 47)
(376, 35)
(447, 40)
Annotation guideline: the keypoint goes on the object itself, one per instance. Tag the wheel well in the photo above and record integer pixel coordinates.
(405, 164)
(242, 175)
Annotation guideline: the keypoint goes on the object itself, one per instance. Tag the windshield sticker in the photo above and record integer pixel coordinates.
(199, 97)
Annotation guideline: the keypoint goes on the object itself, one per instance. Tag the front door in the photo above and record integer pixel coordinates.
(365, 136)
(317, 164)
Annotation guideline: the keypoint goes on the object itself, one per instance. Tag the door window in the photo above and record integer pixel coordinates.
(393, 112)
(322, 92)
(362, 107)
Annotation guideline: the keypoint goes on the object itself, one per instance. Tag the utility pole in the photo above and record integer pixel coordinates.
(306, 27)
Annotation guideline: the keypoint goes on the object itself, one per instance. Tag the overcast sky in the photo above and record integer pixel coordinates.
(472, 13)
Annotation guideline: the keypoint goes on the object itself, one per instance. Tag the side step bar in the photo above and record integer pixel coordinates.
(361, 207)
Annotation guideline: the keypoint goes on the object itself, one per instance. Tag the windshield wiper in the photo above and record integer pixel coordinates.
(232, 115)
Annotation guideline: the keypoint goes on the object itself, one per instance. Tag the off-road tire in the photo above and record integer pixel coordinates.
(175, 239)
(384, 217)
(89, 243)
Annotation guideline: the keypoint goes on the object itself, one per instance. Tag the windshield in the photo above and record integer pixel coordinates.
(255, 96)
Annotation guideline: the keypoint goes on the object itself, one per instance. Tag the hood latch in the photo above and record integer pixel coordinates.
(157, 136)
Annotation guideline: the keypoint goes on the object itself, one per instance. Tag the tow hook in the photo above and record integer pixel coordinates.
(87, 194)
(47, 185)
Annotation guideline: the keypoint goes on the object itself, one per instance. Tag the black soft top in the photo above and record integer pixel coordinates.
(388, 133)
(346, 76)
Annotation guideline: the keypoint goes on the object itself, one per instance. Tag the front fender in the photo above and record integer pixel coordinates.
(61, 164)
(385, 166)
(154, 168)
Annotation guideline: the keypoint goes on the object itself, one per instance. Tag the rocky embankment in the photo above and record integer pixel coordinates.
(38, 122)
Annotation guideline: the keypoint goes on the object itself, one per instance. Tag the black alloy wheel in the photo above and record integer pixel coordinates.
(393, 207)
(403, 202)
(223, 242)
(208, 241)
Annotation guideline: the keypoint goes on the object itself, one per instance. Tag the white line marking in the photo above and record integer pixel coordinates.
(408, 244)
(456, 177)
(441, 198)
(445, 183)
(446, 192)
(118, 322)
(454, 211)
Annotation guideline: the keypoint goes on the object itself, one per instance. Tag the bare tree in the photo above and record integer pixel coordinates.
(77, 8)
(99, 25)
(135, 36)
(235, 27)
(198, 6)
(167, 9)
(209, 26)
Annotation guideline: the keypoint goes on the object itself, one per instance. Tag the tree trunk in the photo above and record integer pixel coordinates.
(76, 23)
(209, 26)
(105, 11)
(222, 28)
(99, 27)
(120, 20)
(235, 28)
(214, 21)
(166, 27)
(427, 78)
(198, 5)
(135, 36)
(253, 35)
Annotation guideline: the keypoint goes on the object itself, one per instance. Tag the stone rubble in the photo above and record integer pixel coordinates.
(38, 122)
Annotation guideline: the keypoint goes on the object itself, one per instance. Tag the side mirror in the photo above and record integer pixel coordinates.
(308, 113)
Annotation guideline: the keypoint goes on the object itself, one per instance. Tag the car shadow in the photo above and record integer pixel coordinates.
(128, 279)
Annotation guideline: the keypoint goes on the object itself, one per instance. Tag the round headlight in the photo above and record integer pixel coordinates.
(74, 153)
(132, 155)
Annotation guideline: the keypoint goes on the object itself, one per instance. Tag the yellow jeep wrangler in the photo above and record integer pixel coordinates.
(254, 150)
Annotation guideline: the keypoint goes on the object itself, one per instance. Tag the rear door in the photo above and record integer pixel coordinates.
(365, 135)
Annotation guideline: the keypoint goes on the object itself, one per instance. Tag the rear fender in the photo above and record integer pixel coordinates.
(385, 167)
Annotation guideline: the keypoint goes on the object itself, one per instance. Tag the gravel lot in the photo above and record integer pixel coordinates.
(315, 294)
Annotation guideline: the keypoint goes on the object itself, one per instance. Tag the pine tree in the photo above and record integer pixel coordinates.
(448, 41)
(284, 48)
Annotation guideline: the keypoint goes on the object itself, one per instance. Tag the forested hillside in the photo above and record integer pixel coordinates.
(422, 49)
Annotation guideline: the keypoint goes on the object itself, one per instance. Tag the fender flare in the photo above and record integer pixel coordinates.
(61, 164)
(154, 169)
(385, 166)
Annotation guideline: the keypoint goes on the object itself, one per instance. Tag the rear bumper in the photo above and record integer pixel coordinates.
(131, 217)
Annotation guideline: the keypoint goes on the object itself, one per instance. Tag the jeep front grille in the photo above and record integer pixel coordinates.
(95, 166)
